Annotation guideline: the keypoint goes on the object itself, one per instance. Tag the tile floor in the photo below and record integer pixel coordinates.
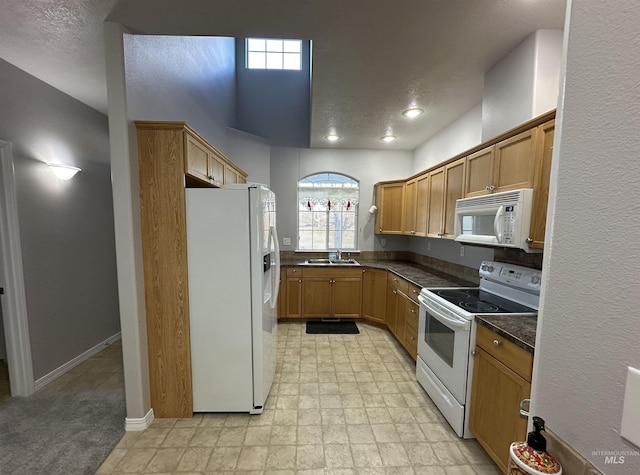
(340, 404)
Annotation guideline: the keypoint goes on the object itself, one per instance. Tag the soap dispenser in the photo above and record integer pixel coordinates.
(531, 457)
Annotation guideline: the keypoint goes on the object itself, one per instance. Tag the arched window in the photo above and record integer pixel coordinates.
(328, 212)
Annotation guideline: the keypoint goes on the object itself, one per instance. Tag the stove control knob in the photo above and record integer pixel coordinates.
(489, 269)
(535, 280)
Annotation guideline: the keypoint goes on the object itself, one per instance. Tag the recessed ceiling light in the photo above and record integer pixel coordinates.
(332, 137)
(388, 138)
(413, 112)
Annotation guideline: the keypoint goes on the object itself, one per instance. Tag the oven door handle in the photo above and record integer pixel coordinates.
(442, 318)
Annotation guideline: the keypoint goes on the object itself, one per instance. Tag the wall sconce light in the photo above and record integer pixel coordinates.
(63, 172)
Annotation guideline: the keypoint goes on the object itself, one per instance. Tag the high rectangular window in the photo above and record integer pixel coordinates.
(266, 53)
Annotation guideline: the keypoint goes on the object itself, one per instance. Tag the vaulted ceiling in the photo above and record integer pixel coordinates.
(371, 59)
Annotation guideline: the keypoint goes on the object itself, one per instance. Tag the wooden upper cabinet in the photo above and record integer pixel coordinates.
(389, 200)
(507, 165)
(422, 204)
(546, 133)
(454, 190)
(197, 163)
(207, 164)
(409, 209)
(446, 186)
(480, 172)
(515, 162)
(436, 202)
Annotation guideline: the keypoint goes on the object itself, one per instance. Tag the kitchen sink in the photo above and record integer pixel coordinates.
(331, 262)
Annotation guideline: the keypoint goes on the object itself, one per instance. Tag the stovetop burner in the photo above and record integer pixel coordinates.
(476, 300)
(477, 306)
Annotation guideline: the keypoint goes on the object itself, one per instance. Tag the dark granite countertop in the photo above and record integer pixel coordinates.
(417, 274)
(519, 330)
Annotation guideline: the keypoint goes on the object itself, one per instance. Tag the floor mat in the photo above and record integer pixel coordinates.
(324, 328)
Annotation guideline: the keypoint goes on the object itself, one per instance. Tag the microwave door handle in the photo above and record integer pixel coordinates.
(497, 225)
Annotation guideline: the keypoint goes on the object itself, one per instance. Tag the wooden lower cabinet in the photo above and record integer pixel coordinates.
(501, 379)
(331, 293)
(402, 312)
(374, 295)
(293, 294)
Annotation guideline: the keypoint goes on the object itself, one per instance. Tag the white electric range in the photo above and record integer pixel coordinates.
(447, 332)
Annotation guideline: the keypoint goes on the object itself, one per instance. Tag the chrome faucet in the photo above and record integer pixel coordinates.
(338, 254)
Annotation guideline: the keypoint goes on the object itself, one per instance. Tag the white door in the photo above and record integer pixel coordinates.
(443, 344)
(266, 287)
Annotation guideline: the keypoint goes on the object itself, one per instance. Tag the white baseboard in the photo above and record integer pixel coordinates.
(56, 373)
(138, 423)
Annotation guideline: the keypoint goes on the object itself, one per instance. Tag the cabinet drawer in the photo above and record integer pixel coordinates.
(411, 341)
(413, 292)
(412, 310)
(397, 283)
(509, 354)
(332, 272)
(293, 272)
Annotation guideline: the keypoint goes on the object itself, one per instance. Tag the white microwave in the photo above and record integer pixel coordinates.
(499, 219)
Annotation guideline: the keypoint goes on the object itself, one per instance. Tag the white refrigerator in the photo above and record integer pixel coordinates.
(234, 274)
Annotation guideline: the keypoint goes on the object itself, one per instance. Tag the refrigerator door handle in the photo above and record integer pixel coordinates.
(275, 276)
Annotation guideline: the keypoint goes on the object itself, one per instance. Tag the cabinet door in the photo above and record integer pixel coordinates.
(230, 174)
(436, 203)
(374, 295)
(541, 186)
(197, 163)
(216, 169)
(390, 208)
(293, 298)
(391, 308)
(282, 293)
(346, 296)
(479, 172)
(515, 162)
(409, 209)
(411, 310)
(454, 190)
(495, 403)
(401, 308)
(316, 296)
(422, 204)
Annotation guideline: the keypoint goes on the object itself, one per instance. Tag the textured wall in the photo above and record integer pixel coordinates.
(288, 165)
(523, 84)
(66, 228)
(251, 153)
(190, 79)
(588, 324)
(461, 135)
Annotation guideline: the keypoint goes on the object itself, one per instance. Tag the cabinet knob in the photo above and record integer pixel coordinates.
(380, 230)
(529, 240)
(413, 311)
(413, 337)
(491, 188)
(496, 342)
(295, 270)
(363, 271)
(300, 280)
(395, 292)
